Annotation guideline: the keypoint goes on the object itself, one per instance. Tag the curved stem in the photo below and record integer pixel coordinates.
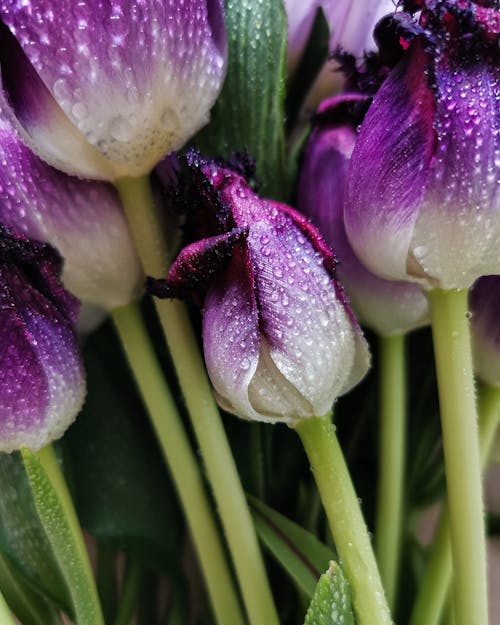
(205, 417)
(346, 520)
(431, 600)
(181, 462)
(388, 528)
(58, 517)
(452, 349)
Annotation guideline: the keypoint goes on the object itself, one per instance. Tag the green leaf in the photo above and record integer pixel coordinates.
(29, 607)
(58, 517)
(22, 537)
(123, 491)
(331, 604)
(249, 114)
(299, 552)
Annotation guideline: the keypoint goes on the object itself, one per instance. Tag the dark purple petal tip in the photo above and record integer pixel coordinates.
(41, 378)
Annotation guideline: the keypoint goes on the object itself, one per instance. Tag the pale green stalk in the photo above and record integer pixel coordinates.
(129, 596)
(452, 349)
(58, 517)
(431, 599)
(147, 230)
(181, 461)
(392, 445)
(345, 518)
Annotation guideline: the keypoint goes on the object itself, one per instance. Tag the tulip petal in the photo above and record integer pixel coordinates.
(457, 233)
(41, 379)
(231, 336)
(135, 78)
(389, 168)
(82, 219)
(39, 120)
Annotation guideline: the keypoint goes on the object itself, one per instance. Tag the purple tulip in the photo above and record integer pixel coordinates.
(422, 196)
(104, 89)
(42, 384)
(82, 219)
(279, 338)
(485, 330)
(387, 307)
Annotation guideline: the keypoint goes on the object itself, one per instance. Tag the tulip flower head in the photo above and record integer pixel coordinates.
(422, 198)
(105, 89)
(42, 384)
(279, 337)
(387, 307)
(82, 219)
(484, 306)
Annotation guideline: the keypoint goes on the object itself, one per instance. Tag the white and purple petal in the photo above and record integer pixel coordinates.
(134, 79)
(42, 383)
(82, 219)
(390, 168)
(456, 237)
(384, 306)
(304, 321)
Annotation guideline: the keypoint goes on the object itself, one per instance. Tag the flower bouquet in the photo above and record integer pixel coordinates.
(249, 311)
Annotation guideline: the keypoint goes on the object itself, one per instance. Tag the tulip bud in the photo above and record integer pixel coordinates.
(485, 331)
(422, 195)
(387, 307)
(82, 219)
(106, 90)
(279, 337)
(42, 384)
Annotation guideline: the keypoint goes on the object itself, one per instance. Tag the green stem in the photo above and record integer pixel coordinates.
(431, 599)
(389, 521)
(58, 517)
(346, 520)
(203, 411)
(181, 462)
(6, 617)
(452, 350)
(129, 595)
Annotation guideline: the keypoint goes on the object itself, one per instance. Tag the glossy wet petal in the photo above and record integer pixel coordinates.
(41, 383)
(82, 219)
(390, 168)
(136, 79)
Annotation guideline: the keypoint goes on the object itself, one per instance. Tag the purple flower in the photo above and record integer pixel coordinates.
(485, 330)
(104, 89)
(82, 219)
(279, 338)
(42, 385)
(422, 196)
(387, 307)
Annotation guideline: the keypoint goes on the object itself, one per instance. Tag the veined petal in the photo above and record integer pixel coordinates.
(231, 336)
(457, 233)
(389, 168)
(388, 307)
(82, 219)
(136, 79)
(41, 383)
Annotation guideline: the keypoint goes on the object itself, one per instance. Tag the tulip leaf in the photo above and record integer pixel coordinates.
(29, 607)
(122, 489)
(299, 552)
(22, 538)
(331, 603)
(249, 114)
